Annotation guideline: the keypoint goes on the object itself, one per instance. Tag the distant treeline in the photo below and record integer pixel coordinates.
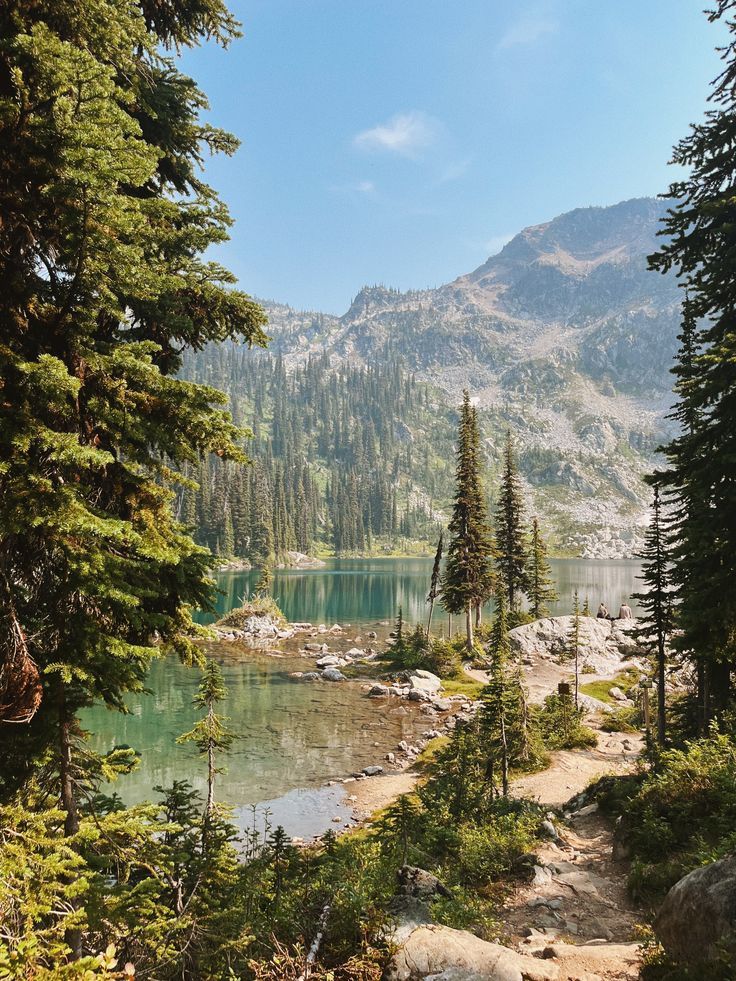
(344, 458)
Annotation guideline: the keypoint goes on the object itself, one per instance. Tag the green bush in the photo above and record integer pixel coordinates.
(679, 816)
(561, 726)
(441, 657)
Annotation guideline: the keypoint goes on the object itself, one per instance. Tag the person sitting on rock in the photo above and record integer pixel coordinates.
(603, 612)
(624, 612)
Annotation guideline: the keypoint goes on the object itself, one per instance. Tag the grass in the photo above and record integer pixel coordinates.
(625, 680)
(259, 606)
(458, 686)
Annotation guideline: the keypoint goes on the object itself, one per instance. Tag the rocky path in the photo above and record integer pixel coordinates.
(577, 904)
(574, 921)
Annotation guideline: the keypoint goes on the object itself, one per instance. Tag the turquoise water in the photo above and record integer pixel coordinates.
(294, 736)
(363, 591)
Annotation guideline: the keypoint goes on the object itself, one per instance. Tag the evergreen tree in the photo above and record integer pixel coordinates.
(701, 478)
(655, 623)
(504, 722)
(573, 643)
(105, 221)
(541, 587)
(511, 550)
(211, 735)
(434, 585)
(265, 581)
(467, 582)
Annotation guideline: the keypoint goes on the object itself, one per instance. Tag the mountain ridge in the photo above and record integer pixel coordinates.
(564, 335)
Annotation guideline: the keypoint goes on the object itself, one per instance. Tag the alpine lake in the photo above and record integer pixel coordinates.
(297, 740)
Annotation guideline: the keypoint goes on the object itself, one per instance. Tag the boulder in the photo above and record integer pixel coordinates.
(310, 676)
(425, 681)
(379, 691)
(441, 952)
(605, 642)
(616, 693)
(332, 674)
(313, 648)
(372, 771)
(420, 884)
(355, 652)
(329, 661)
(699, 912)
(548, 829)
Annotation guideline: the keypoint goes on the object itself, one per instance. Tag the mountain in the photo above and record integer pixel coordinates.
(564, 335)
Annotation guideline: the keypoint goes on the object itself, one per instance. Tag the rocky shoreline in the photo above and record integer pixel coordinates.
(328, 651)
(609, 646)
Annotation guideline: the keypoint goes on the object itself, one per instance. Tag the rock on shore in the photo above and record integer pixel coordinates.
(605, 643)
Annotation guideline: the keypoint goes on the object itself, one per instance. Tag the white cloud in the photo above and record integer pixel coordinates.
(365, 187)
(528, 29)
(406, 133)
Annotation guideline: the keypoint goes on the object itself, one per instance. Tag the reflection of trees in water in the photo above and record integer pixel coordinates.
(370, 590)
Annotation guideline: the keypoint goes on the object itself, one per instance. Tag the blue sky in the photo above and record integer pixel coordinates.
(403, 141)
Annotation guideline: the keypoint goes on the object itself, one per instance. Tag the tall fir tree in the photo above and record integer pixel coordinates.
(468, 578)
(503, 718)
(655, 621)
(701, 477)
(434, 583)
(541, 584)
(511, 547)
(211, 734)
(105, 222)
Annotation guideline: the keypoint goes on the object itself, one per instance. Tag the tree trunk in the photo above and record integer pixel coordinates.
(429, 618)
(701, 700)
(719, 688)
(210, 770)
(504, 758)
(68, 801)
(661, 662)
(478, 615)
(469, 627)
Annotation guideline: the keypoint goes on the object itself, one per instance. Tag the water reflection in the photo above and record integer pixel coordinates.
(370, 590)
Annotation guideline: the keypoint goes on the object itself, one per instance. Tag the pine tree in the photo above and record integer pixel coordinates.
(211, 735)
(265, 581)
(701, 478)
(655, 622)
(541, 587)
(105, 221)
(511, 550)
(468, 580)
(573, 642)
(503, 716)
(434, 585)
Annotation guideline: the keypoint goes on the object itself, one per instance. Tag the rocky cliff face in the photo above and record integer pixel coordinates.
(565, 336)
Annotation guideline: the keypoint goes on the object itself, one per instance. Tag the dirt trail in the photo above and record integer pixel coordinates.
(576, 911)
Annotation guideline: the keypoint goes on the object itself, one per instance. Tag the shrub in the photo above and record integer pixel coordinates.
(561, 726)
(258, 606)
(679, 816)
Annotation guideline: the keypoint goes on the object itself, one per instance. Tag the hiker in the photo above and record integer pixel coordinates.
(603, 612)
(625, 612)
